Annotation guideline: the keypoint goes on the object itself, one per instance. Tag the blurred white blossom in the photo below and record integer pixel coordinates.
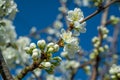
(7, 32)
(84, 3)
(66, 36)
(58, 24)
(7, 7)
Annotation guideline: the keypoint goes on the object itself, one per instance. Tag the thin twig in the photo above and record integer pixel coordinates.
(99, 10)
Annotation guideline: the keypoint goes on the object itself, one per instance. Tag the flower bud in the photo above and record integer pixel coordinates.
(105, 36)
(95, 39)
(27, 50)
(46, 64)
(105, 30)
(95, 51)
(50, 50)
(50, 44)
(58, 58)
(56, 47)
(41, 44)
(92, 56)
(118, 74)
(101, 49)
(97, 44)
(36, 53)
(113, 77)
(32, 46)
(106, 47)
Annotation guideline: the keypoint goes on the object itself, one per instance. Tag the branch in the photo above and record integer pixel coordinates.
(4, 71)
(27, 69)
(99, 10)
(95, 67)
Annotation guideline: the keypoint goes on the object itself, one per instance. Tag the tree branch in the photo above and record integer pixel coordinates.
(27, 69)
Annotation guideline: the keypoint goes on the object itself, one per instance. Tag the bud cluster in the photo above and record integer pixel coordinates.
(43, 52)
(114, 20)
(97, 42)
(104, 31)
(74, 17)
(7, 7)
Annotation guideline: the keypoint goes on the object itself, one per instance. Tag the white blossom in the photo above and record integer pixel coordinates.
(114, 69)
(7, 32)
(10, 56)
(58, 24)
(82, 2)
(7, 7)
(71, 48)
(66, 36)
(21, 43)
(75, 15)
(79, 28)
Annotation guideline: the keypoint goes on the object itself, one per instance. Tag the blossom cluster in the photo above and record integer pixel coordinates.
(71, 44)
(97, 42)
(115, 71)
(114, 20)
(82, 2)
(16, 54)
(74, 17)
(7, 32)
(7, 7)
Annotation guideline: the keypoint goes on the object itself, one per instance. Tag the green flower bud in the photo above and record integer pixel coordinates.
(101, 49)
(27, 50)
(41, 44)
(56, 47)
(50, 50)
